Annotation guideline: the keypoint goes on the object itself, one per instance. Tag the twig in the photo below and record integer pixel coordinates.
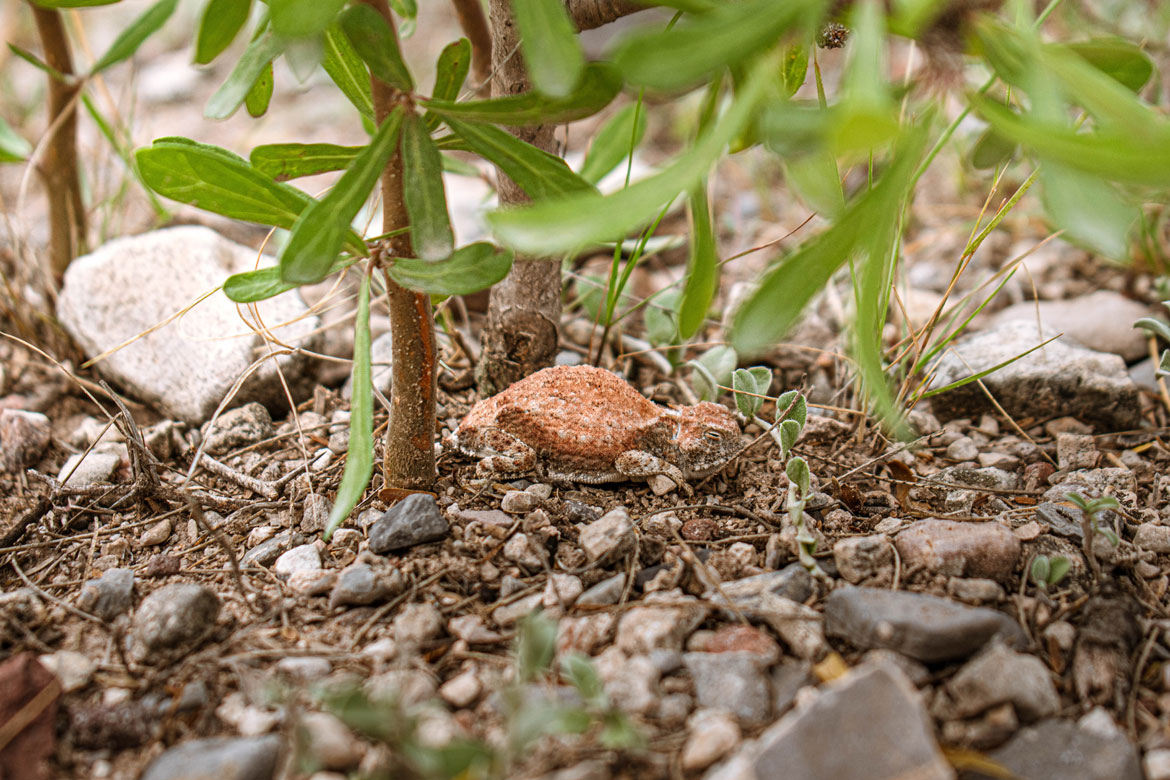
(229, 551)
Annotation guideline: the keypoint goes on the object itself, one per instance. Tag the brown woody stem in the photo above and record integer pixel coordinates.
(474, 23)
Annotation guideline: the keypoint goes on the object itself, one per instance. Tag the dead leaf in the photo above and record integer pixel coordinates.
(905, 480)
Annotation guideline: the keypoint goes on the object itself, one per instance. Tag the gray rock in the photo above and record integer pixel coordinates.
(417, 623)
(304, 669)
(1058, 748)
(609, 537)
(1061, 520)
(329, 742)
(156, 534)
(236, 428)
(867, 725)
(1058, 379)
(174, 616)
(315, 514)
(792, 582)
(1075, 451)
(109, 596)
(604, 593)
(73, 669)
(861, 557)
(23, 439)
(130, 285)
(962, 448)
(415, 519)
(519, 502)
(217, 758)
(653, 625)
(1153, 537)
(525, 552)
(89, 468)
(925, 628)
(266, 553)
(957, 549)
(966, 476)
(711, 734)
(1000, 675)
(733, 681)
(305, 557)
(1102, 321)
(357, 585)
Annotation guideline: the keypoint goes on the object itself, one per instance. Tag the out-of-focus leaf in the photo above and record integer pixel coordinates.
(1117, 58)
(359, 462)
(289, 161)
(687, 54)
(659, 318)
(469, 269)
(535, 171)
(815, 178)
(569, 223)
(599, 85)
(138, 31)
(1155, 327)
(702, 382)
(258, 56)
(536, 638)
(319, 233)
(221, 22)
(302, 18)
(795, 68)
(992, 150)
(72, 3)
(614, 142)
(258, 97)
(37, 63)
(376, 43)
(264, 283)
(13, 147)
(303, 55)
(1088, 209)
(579, 670)
(702, 277)
(550, 47)
(347, 71)
(720, 361)
(426, 199)
(407, 11)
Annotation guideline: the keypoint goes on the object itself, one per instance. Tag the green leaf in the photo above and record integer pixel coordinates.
(535, 171)
(290, 161)
(1059, 567)
(702, 275)
(221, 22)
(572, 222)
(1088, 209)
(376, 43)
(789, 433)
(13, 147)
(579, 670)
(795, 68)
(1154, 326)
(37, 63)
(258, 97)
(599, 85)
(132, 37)
(660, 318)
(797, 471)
(549, 43)
(614, 142)
(302, 18)
(263, 283)
(536, 638)
(690, 53)
(992, 150)
(72, 3)
(359, 462)
(1041, 569)
(426, 199)
(255, 59)
(817, 181)
(746, 392)
(702, 382)
(319, 233)
(1117, 58)
(347, 71)
(452, 69)
(720, 362)
(1164, 364)
(469, 269)
(216, 180)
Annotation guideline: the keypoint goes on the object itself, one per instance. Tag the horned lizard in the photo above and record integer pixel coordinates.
(585, 424)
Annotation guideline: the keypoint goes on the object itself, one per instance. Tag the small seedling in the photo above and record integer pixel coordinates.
(1092, 523)
(1161, 328)
(1048, 572)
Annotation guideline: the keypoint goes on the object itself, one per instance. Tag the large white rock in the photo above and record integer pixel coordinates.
(185, 367)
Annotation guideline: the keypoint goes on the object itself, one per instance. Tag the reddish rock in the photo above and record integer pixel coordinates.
(744, 639)
(956, 549)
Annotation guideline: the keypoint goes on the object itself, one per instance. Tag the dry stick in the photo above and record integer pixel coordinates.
(270, 490)
(229, 551)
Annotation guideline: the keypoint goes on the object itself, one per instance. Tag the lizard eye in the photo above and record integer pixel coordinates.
(712, 435)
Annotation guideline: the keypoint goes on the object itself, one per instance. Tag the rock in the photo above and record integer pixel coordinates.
(357, 585)
(962, 448)
(1000, 675)
(109, 596)
(414, 520)
(735, 682)
(315, 515)
(417, 623)
(329, 743)
(1076, 451)
(156, 534)
(608, 538)
(74, 670)
(1153, 537)
(160, 565)
(792, 582)
(304, 669)
(859, 558)
(1156, 764)
(562, 591)
(649, 627)
(406, 687)
(1061, 520)
(800, 627)
(185, 368)
(889, 733)
(1058, 379)
(525, 552)
(1102, 321)
(236, 428)
(85, 469)
(174, 616)
(604, 593)
(711, 734)
(959, 549)
(586, 633)
(313, 582)
(461, 690)
(507, 614)
(266, 553)
(1058, 748)
(519, 502)
(738, 638)
(217, 758)
(23, 439)
(975, 591)
(630, 682)
(303, 558)
(925, 628)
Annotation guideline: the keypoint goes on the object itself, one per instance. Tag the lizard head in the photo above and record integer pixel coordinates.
(708, 437)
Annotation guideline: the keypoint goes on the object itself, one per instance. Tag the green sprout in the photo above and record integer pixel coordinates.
(1092, 524)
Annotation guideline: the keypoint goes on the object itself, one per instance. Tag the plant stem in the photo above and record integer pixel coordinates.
(474, 23)
(408, 461)
(59, 167)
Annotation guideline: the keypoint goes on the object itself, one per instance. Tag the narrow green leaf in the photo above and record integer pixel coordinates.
(263, 283)
(1117, 58)
(702, 276)
(614, 142)
(319, 233)
(816, 179)
(426, 199)
(979, 375)
(232, 93)
(452, 69)
(1088, 209)
(575, 221)
(222, 21)
(795, 68)
(690, 53)
(258, 97)
(347, 71)
(535, 171)
(469, 269)
(549, 43)
(37, 63)
(359, 462)
(290, 161)
(132, 37)
(599, 85)
(302, 18)
(377, 44)
(72, 3)
(13, 147)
